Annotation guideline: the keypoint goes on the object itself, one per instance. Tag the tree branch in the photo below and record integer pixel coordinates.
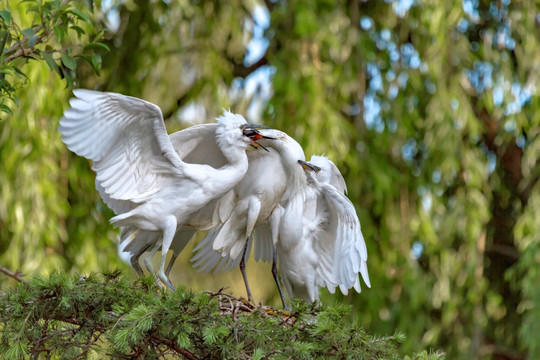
(108, 314)
(172, 345)
(15, 275)
(239, 70)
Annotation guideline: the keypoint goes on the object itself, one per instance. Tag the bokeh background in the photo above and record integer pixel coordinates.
(429, 108)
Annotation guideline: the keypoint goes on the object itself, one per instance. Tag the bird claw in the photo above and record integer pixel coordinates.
(167, 282)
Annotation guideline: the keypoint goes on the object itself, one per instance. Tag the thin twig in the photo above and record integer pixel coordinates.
(16, 275)
(172, 345)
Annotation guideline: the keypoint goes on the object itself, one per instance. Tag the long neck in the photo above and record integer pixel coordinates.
(292, 223)
(290, 153)
(235, 169)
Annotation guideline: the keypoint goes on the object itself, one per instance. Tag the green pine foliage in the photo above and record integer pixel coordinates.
(63, 316)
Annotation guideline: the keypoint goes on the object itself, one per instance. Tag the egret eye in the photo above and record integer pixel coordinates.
(250, 132)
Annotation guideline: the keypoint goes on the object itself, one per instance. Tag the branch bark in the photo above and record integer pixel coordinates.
(239, 70)
(15, 275)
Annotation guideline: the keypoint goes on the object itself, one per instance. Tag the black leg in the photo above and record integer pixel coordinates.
(243, 270)
(135, 260)
(276, 279)
(171, 263)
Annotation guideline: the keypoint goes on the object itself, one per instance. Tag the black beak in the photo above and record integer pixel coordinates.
(256, 126)
(309, 166)
(251, 131)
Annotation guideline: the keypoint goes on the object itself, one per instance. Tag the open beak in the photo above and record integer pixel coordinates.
(250, 130)
(309, 166)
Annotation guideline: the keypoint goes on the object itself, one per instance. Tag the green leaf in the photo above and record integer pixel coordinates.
(33, 9)
(137, 313)
(209, 335)
(59, 33)
(28, 32)
(6, 16)
(212, 334)
(32, 41)
(183, 340)
(79, 30)
(70, 62)
(97, 45)
(121, 338)
(90, 5)
(81, 16)
(18, 350)
(96, 63)
(6, 109)
(3, 38)
(258, 354)
(17, 71)
(50, 61)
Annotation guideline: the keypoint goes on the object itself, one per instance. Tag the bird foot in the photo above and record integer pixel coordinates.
(166, 281)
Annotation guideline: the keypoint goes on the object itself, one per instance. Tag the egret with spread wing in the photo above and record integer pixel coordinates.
(328, 249)
(197, 145)
(138, 168)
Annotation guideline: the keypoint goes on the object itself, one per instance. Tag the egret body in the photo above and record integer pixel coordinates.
(138, 168)
(321, 244)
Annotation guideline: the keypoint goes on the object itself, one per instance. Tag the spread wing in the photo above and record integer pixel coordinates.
(350, 252)
(207, 259)
(197, 145)
(320, 231)
(126, 139)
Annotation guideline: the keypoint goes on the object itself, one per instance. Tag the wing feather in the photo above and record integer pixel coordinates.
(349, 256)
(126, 139)
(263, 247)
(117, 206)
(197, 145)
(336, 179)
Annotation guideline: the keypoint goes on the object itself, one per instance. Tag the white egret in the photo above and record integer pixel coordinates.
(135, 161)
(272, 177)
(197, 145)
(328, 248)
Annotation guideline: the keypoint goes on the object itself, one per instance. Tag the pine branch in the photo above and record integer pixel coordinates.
(15, 275)
(107, 315)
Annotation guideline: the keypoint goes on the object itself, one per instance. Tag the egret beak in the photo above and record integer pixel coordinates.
(253, 134)
(309, 166)
(256, 126)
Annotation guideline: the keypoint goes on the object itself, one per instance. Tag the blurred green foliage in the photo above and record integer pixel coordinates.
(428, 108)
(44, 30)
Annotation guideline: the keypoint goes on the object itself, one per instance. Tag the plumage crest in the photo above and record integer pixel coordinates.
(229, 130)
(230, 121)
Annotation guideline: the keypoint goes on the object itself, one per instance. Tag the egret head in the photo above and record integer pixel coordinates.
(250, 130)
(318, 169)
(234, 130)
(281, 142)
(314, 173)
(322, 170)
(309, 167)
(289, 149)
